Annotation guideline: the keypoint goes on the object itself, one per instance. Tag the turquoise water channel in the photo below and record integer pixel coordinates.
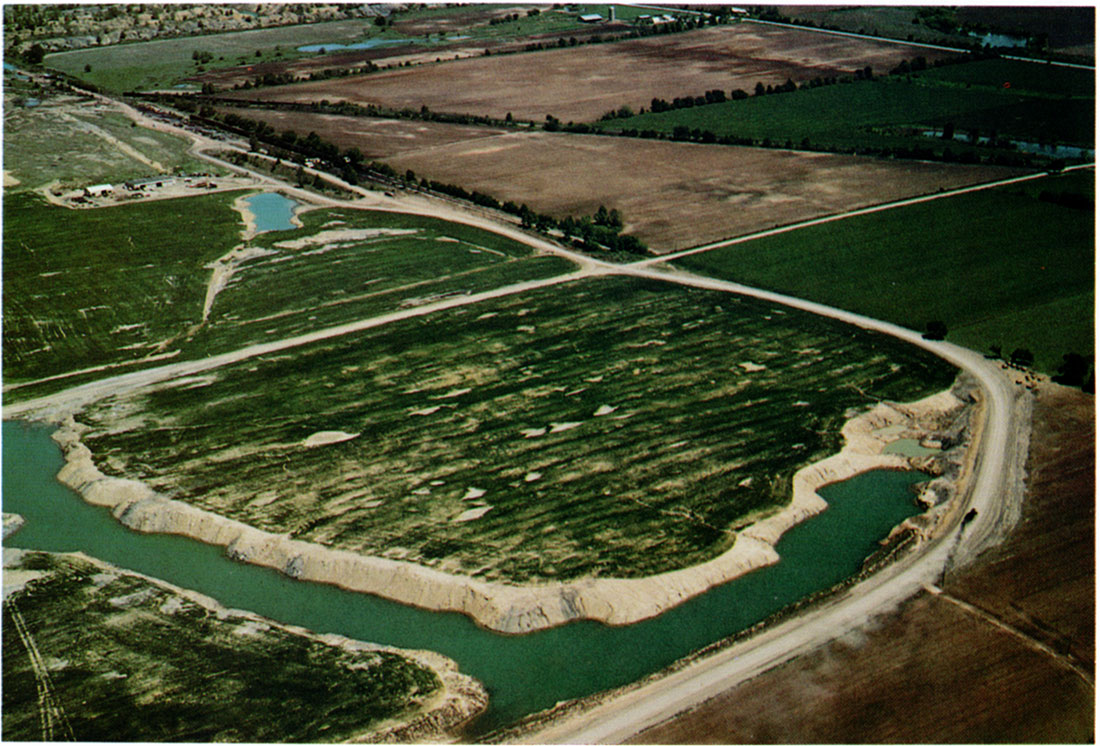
(272, 211)
(522, 673)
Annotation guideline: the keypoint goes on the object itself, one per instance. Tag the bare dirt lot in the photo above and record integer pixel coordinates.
(375, 138)
(582, 83)
(939, 670)
(671, 195)
(676, 195)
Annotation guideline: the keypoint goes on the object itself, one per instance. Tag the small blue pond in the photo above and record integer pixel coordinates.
(272, 211)
(368, 44)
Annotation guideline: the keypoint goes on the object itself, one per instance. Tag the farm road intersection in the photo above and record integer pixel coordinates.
(991, 489)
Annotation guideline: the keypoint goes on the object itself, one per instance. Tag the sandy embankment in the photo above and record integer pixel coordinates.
(516, 608)
(459, 698)
(12, 523)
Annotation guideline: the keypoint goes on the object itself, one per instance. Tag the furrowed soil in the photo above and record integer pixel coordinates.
(938, 670)
(727, 191)
(720, 191)
(375, 138)
(582, 83)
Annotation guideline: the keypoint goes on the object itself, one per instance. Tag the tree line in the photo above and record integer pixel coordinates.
(600, 232)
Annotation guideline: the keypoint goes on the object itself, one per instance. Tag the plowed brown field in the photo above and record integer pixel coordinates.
(938, 671)
(375, 138)
(582, 83)
(672, 195)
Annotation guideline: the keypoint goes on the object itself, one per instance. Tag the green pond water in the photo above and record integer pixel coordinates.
(271, 211)
(522, 673)
(908, 447)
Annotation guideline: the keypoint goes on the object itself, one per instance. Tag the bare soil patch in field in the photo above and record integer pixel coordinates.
(938, 672)
(376, 138)
(582, 83)
(676, 195)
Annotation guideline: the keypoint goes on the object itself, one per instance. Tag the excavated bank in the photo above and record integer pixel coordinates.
(428, 716)
(516, 609)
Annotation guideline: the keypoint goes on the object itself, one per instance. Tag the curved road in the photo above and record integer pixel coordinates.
(623, 716)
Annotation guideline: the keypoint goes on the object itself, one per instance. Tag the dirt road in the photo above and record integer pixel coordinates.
(990, 487)
(851, 214)
(622, 717)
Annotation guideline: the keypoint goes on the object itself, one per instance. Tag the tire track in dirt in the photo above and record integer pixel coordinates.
(52, 721)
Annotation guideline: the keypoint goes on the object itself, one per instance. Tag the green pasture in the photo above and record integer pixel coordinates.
(999, 267)
(303, 285)
(100, 287)
(890, 113)
(85, 288)
(1032, 77)
(129, 660)
(164, 62)
(548, 21)
(895, 22)
(612, 427)
(60, 140)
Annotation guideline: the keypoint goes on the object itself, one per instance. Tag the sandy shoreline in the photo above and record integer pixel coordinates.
(460, 697)
(249, 219)
(502, 607)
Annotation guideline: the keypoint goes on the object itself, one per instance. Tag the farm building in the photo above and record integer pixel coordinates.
(97, 190)
(590, 18)
(140, 184)
(656, 20)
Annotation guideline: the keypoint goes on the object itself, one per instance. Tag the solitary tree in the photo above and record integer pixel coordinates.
(1022, 357)
(35, 54)
(935, 330)
(1073, 370)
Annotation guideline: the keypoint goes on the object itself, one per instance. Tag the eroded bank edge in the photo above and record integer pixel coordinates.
(524, 608)
(459, 699)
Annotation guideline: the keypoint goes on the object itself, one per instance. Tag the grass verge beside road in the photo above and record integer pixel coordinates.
(1001, 267)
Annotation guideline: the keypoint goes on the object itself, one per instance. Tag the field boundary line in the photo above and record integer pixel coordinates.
(854, 35)
(926, 45)
(851, 214)
(1064, 659)
(78, 396)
